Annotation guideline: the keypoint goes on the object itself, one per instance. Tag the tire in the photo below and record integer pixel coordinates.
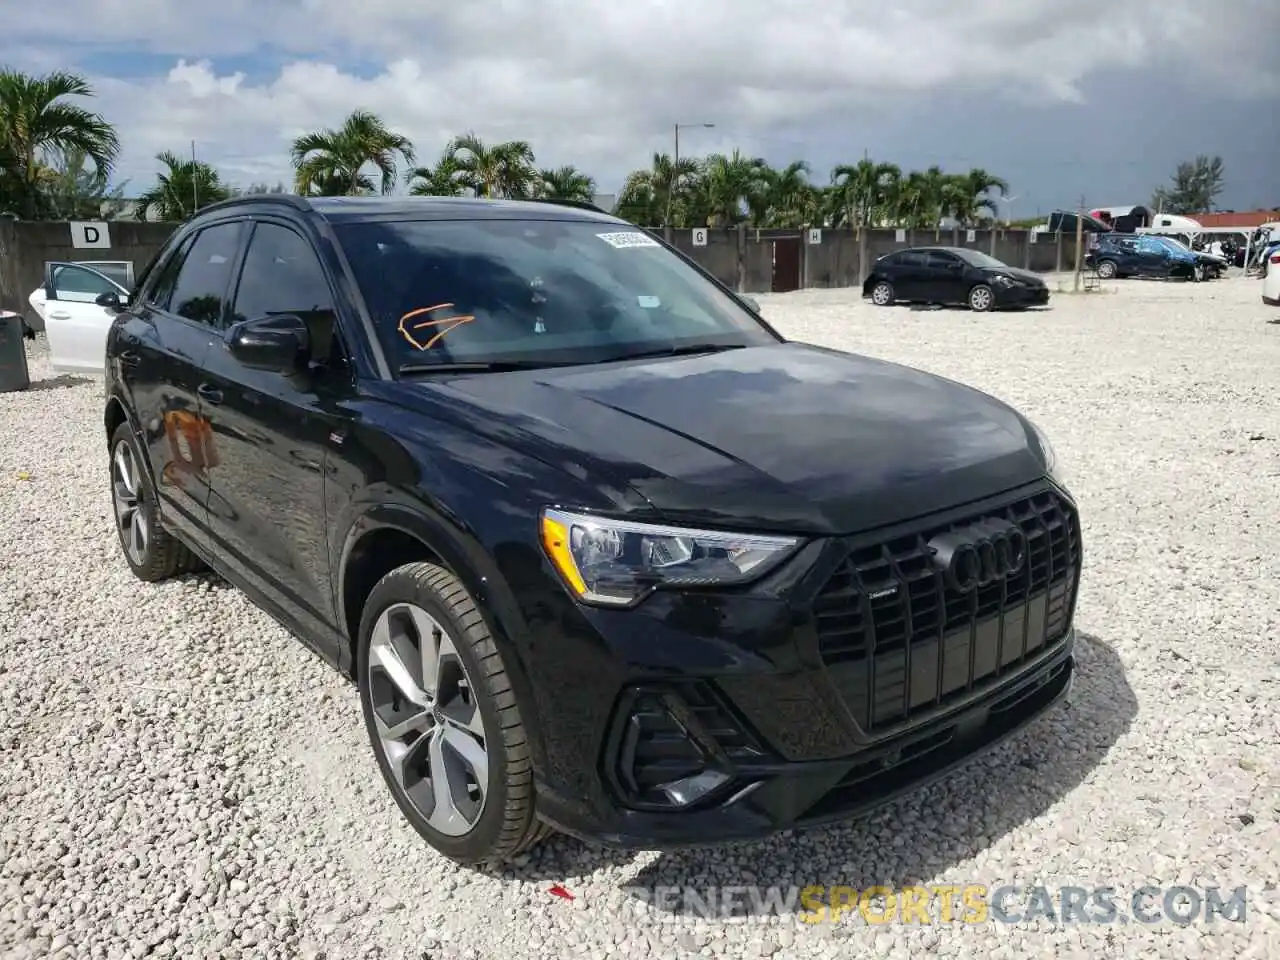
(981, 298)
(882, 294)
(153, 554)
(417, 607)
(1107, 270)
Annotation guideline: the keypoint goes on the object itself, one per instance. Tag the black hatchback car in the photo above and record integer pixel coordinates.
(952, 275)
(602, 551)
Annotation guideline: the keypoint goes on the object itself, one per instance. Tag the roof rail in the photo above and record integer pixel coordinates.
(579, 204)
(288, 199)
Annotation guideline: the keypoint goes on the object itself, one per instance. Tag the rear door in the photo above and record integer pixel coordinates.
(76, 327)
(907, 273)
(945, 281)
(159, 351)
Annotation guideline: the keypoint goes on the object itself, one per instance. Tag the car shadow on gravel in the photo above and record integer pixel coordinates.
(60, 382)
(914, 838)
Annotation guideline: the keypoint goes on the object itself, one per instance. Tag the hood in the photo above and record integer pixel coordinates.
(786, 437)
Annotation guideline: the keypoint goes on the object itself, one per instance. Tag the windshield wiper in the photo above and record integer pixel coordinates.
(677, 351)
(475, 366)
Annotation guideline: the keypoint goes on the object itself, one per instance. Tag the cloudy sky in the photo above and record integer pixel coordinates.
(1098, 98)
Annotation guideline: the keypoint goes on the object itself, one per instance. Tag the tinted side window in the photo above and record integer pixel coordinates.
(202, 279)
(79, 284)
(911, 260)
(282, 274)
(162, 286)
(942, 261)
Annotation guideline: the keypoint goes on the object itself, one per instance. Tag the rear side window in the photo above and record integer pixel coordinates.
(943, 260)
(162, 288)
(203, 276)
(911, 260)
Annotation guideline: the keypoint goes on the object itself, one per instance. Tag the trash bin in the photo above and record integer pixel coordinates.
(14, 374)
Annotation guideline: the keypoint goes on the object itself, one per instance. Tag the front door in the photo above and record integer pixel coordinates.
(162, 343)
(266, 497)
(75, 326)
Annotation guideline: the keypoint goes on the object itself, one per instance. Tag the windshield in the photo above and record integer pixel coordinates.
(534, 291)
(978, 259)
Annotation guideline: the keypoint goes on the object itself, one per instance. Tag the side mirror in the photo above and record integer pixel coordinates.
(109, 299)
(279, 343)
(752, 304)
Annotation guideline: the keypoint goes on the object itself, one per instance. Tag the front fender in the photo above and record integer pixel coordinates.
(459, 549)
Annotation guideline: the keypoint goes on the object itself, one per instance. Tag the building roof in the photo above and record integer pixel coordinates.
(1229, 218)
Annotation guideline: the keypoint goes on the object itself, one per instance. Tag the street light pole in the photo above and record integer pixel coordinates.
(675, 165)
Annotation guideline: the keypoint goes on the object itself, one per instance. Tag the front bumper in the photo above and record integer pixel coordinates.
(781, 796)
(1021, 296)
(848, 677)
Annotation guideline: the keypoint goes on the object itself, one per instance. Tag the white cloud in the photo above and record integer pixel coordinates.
(598, 84)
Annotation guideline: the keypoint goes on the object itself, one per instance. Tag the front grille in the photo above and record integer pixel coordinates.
(898, 641)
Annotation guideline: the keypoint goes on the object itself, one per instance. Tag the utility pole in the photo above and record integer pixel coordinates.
(675, 166)
(1079, 243)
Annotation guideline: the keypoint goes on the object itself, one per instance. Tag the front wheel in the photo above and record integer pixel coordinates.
(981, 299)
(443, 719)
(882, 294)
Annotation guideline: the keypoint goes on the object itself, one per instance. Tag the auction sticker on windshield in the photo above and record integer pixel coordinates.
(629, 239)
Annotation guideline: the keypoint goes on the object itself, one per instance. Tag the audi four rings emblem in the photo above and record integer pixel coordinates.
(979, 554)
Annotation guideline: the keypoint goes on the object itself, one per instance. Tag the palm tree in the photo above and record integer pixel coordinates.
(862, 189)
(76, 190)
(502, 170)
(332, 162)
(972, 193)
(646, 195)
(36, 122)
(785, 197)
(731, 184)
(566, 183)
(182, 188)
(442, 180)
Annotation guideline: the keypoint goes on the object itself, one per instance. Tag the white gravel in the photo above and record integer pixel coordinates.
(178, 777)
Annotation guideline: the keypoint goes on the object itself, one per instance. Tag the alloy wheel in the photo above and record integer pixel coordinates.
(1106, 269)
(428, 720)
(980, 298)
(882, 294)
(126, 497)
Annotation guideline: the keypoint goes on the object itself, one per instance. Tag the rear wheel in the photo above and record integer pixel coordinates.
(151, 551)
(443, 719)
(981, 299)
(882, 294)
(1107, 269)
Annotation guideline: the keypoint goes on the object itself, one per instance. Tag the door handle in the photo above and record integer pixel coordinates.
(129, 359)
(209, 394)
(59, 315)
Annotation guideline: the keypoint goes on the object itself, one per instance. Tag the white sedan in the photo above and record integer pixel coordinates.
(75, 325)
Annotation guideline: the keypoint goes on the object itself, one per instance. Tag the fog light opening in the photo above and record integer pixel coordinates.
(690, 790)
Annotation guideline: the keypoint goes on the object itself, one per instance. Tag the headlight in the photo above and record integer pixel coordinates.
(616, 562)
(1051, 465)
(1004, 281)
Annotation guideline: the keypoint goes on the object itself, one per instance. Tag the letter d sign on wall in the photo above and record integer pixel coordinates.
(90, 236)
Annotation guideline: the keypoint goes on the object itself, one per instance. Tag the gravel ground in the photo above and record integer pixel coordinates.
(178, 777)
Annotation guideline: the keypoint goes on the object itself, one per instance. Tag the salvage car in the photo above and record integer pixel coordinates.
(1115, 255)
(952, 275)
(74, 324)
(601, 550)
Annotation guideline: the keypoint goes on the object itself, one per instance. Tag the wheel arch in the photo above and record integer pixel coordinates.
(390, 534)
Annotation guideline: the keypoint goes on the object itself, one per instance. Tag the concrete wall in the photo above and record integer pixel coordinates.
(25, 247)
(741, 257)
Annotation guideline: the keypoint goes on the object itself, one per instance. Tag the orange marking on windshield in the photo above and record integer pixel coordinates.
(454, 322)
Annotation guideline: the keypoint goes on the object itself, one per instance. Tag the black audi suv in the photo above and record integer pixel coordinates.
(602, 551)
